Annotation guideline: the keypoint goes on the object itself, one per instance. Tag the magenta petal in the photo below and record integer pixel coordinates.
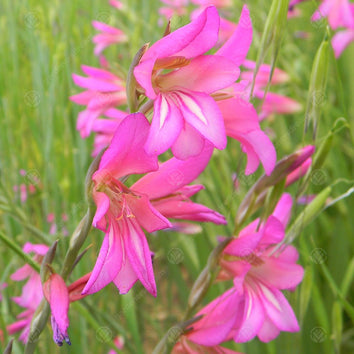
(202, 112)
(206, 73)
(258, 146)
(102, 202)
(98, 73)
(146, 215)
(22, 273)
(273, 231)
(283, 209)
(95, 84)
(278, 309)
(341, 40)
(243, 246)
(108, 264)
(279, 274)
(126, 278)
(188, 144)
(268, 331)
(253, 318)
(173, 175)
(189, 41)
(219, 318)
(139, 254)
(189, 211)
(126, 154)
(166, 125)
(58, 298)
(237, 46)
(38, 248)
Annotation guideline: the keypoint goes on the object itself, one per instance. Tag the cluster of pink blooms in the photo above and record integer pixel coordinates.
(339, 14)
(195, 102)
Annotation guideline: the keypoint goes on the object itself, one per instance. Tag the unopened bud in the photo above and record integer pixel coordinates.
(317, 88)
(47, 260)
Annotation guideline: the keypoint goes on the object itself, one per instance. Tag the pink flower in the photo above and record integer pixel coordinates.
(119, 342)
(173, 7)
(338, 12)
(255, 304)
(185, 114)
(104, 92)
(341, 40)
(59, 296)
(122, 212)
(31, 293)
(110, 35)
(273, 102)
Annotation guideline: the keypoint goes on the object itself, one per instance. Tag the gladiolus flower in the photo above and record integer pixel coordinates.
(185, 113)
(255, 304)
(122, 212)
(104, 92)
(110, 35)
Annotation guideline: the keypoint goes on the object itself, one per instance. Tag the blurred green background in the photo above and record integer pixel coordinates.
(41, 44)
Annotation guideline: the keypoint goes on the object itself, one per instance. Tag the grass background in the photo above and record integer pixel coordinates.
(41, 44)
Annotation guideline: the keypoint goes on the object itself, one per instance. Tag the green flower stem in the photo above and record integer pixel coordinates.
(28, 259)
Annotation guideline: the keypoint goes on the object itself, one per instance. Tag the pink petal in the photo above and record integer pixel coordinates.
(22, 273)
(202, 112)
(126, 278)
(243, 246)
(166, 125)
(253, 317)
(173, 175)
(126, 155)
(57, 295)
(283, 209)
(341, 40)
(237, 46)
(219, 317)
(105, 28)
(189, 211)
(102, 203)
(268, 331)
(206, 73)
(279, 274)
(98, 73)
(189, 41)
(108, 263)
(241, 123)
(95, 84)
(273, 232)
(139, 254)
(37, 249)
(146, 215)
(188, 144)
(278, 309)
